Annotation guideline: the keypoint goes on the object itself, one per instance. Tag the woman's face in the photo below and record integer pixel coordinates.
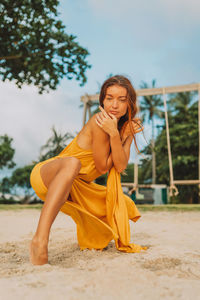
(116, 101)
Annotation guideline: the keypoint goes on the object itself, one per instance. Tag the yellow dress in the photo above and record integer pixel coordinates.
(100, 213)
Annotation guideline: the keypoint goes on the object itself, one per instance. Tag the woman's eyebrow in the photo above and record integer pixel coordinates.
(118, 97)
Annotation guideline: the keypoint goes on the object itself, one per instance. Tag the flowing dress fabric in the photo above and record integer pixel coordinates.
(100, 213)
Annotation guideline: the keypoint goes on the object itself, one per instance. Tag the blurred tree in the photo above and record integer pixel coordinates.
(150, 108)
(183, 123)
(6, 152)
(128, 177)
(180, 103)
(6, 160)
(5, 186)
(102, 179)
(21, 178)
(34, 48)
(55, 144)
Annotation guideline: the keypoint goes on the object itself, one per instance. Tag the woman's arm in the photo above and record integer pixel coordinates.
(100, 148)
(126, 147)
(120, 153)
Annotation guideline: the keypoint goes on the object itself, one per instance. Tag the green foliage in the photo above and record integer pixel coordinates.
(5, 186)
(102, 179)
(129, 174)
(126, 176)
(184, 145)
(183, 123)
(150, 105)
(141, 207)
(21, 178)
(55, 144)
(6, 152)
(34, 47)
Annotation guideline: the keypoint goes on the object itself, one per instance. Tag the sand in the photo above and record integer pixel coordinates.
(169, 269)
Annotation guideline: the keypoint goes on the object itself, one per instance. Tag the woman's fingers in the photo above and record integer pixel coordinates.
(99, 119)
(99, 124)
(104, 113)
(112, 116)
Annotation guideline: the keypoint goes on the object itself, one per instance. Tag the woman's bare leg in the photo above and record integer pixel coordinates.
(58, 192)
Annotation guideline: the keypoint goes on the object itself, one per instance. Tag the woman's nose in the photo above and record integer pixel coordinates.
(114, 103)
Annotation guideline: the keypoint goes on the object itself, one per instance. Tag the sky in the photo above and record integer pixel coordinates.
(143, 40)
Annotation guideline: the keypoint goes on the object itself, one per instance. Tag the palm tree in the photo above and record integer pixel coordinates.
(54, 145)
(181, 102)
(149, 106)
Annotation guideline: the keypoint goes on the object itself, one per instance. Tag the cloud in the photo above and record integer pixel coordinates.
(28, 117)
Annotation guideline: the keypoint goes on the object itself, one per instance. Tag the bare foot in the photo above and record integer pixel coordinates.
(38, 252)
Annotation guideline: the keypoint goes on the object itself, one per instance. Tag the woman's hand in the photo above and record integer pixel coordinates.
(137, 127)
(107, 122)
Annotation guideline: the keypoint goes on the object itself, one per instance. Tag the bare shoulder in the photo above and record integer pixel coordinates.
(90, 124)
(96, 131)
(91, 133)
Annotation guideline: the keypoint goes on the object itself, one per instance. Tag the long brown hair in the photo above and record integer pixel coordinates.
(129, 117)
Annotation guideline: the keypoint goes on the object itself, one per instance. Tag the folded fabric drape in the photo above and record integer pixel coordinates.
(100, 213)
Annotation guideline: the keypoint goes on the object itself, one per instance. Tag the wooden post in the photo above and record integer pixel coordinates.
(136, 178)
(168, 144)
(89, 111)
(84, 113)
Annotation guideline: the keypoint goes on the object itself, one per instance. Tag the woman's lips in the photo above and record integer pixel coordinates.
(114, 112)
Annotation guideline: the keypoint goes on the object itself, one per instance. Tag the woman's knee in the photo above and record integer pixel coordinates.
(72, 163)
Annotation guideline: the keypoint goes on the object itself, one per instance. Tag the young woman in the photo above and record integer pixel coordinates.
(65, 182)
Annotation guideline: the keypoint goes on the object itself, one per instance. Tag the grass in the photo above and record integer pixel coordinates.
(145, 207)
(19, 206)
(169, 207)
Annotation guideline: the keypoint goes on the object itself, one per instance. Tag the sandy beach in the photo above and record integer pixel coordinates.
(169, 269)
